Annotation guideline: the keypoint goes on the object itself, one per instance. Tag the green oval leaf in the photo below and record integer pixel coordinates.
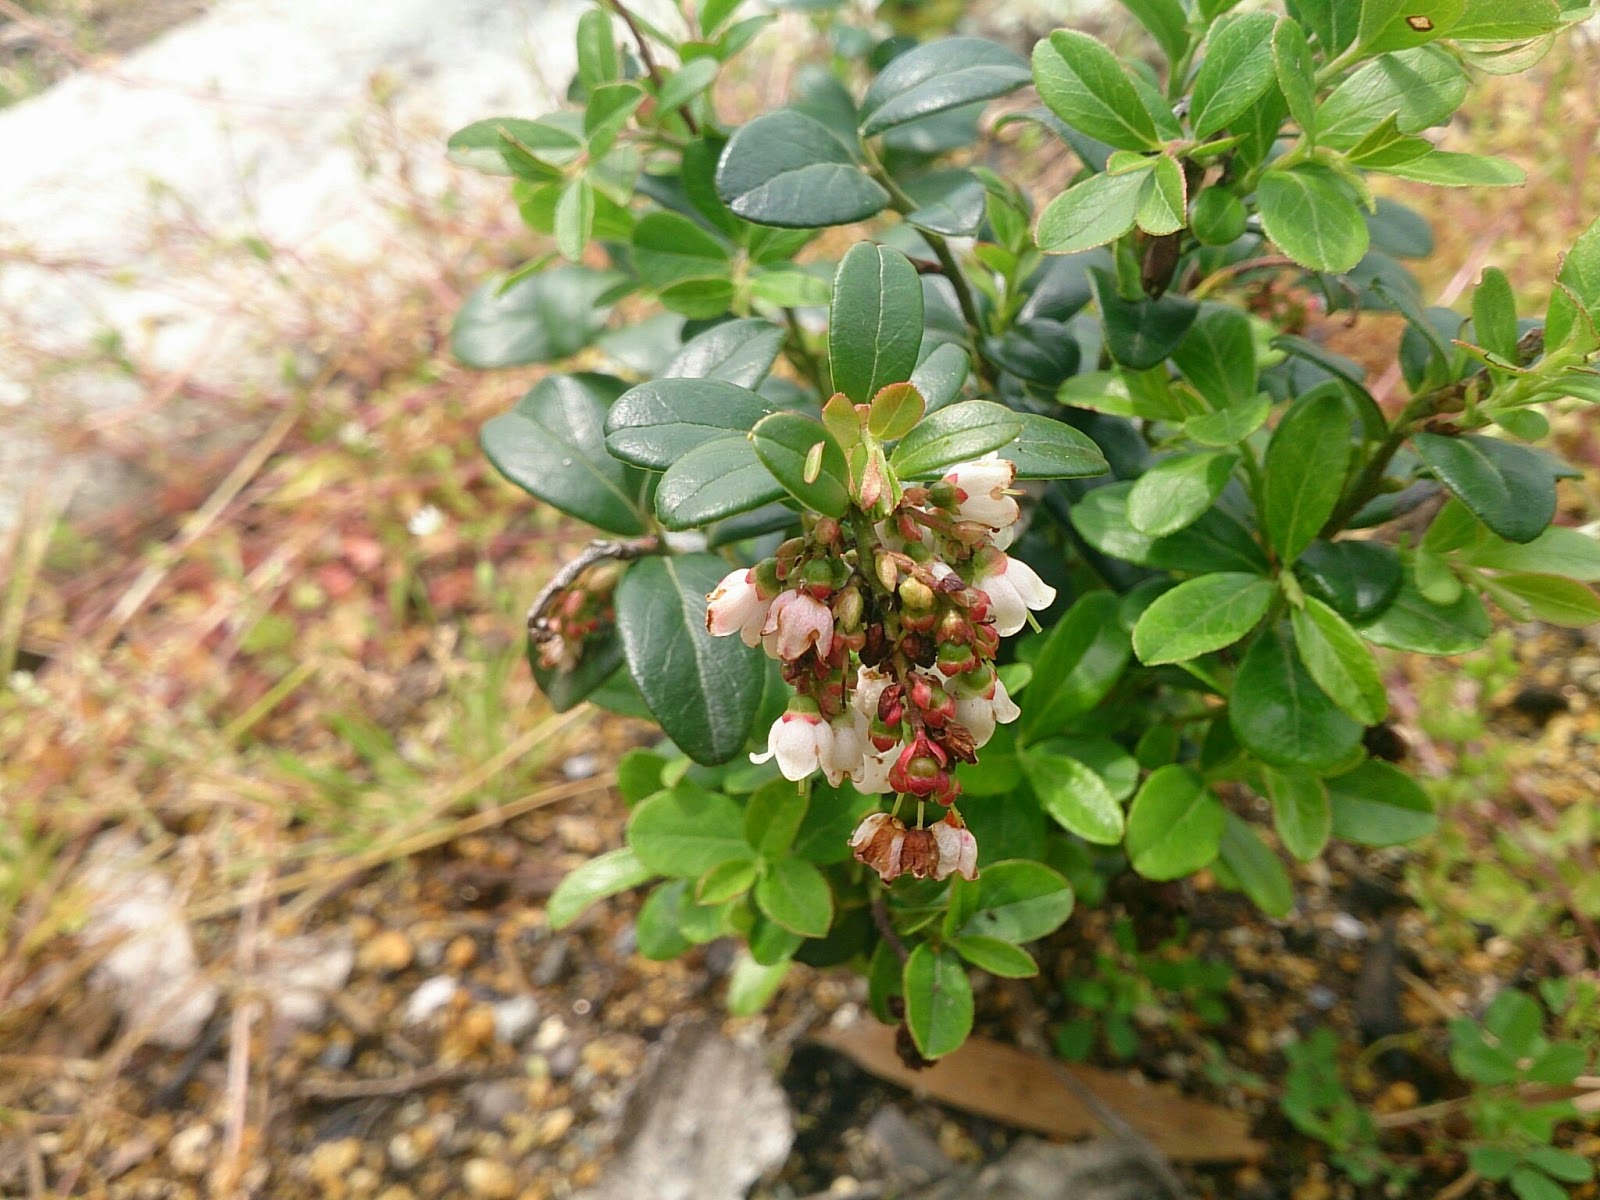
(952, 435)
(1510, 488)
(938, 1001)
(1237, 69)
(1305, 469)
(552, 446)
(895, 409)
(1255, 868)
(938, 76)
(684, 832)
(1279, 713)
(1357, 579)
(725, 881)
(669, 248)
(1307, 212)
(1098, 210)
(539, 318)
(740, 352)
(1083, 657)
(1419, 88)
(939, 377)
(1175, 825)
(1081, 81)
(1000, 958)
(1051, 449)
(1300, 811)
(1339, 661)
(610, 873)
(874, 321)
(1200, 616)
(785, 442)
(704, 690)
(788, 169)
(1018, 901)
(657, 930)
(793, 893)
(1550, 598)
(718, 479)
(1411, 622)
(1074, 795)
(1175, 492)
(1380, 805)
(752, 985)
(657, 423)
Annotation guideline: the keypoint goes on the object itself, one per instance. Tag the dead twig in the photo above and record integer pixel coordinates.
(400, 1085)
(598, 551)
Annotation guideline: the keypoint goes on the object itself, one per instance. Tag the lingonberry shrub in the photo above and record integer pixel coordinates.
(1054, 539)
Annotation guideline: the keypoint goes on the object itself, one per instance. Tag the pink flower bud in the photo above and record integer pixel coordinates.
(795, 624)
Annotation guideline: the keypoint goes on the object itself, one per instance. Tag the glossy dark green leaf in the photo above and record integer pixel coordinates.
(1215, 542)
(716, 480)
(793, 893)
(1074, 795)
(1237, 69)
(1380, 805)
(1307, 212)
(1005, 959)
(1176, 491)
(1357, 579)
(874, 321)
(1140, 334)
(787, 444)
(1090, 213)
(1339, 661)
(540, 318)
(1201, 615)
(954, 434)
(610, 873)
(940, 376)
(1506, 486)
(1306, 464)
(1420, 87)
(787, 169)
(948, 202)
(553, 446)
(1410, 622)
(1175, 825)
(669, 248)
(1018, 901)
(1043, 352)
(1083, 657)
(657, 423)
(938, 76)
(1218, 355)
(1300, 811)
(1084, 84)
(685, 831)
(1051, 449)
(938, 1000)
(1280, 715)
(739, 352)
(1255, 868)
(703, 690)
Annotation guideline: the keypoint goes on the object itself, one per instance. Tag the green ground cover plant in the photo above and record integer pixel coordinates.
(1006, 535)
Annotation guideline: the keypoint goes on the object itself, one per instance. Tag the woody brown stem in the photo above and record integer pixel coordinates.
(598, 551)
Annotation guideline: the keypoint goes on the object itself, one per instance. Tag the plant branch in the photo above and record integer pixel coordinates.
(649, 59)
(598, 551)
(886, 929)
(804, 358)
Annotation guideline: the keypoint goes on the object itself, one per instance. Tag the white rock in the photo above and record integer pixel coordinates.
(430, 997)
(149, 965)
(514, 1017)
(299, 973)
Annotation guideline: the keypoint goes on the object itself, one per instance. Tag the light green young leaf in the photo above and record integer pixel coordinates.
(938, 999)
(1256, 868)
(1074, 795)
(1163, 198)
(1200, 616)
(1301, 812)
(794, 893)
(610, 873)
(1389, 25)
(1420, 88)
(1238, 68)
(1307, 212)
(1575, 305)
(1296, 73)
(1084, 84)
(1443, 168)
(1175, 825)
(1174, 493)
(1091, 213)
(1339, 661)
(1379, 805)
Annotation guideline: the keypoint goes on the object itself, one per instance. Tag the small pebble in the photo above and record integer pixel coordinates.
(386, 952)
(1321, 998)
(513, 1018)
(1343, 925)
(430, 997)
(495, 1100)
(552, 964)
(332, 1161)
(581, 766)
(489, 1179)
(189, 1150)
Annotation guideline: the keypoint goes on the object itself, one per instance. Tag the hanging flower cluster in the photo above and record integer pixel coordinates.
(887, 631)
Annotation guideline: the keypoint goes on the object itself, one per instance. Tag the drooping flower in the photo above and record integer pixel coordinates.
(795, 623)
(800, 740)
(1013, 588)
(982, 486)
(958, 849)
(981, 708)
(848, 750)
(871, 777)
(879, 842)
(736, 606)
